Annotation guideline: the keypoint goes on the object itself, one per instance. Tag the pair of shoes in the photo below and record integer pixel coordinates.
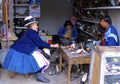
(54, 71)
(41, 78)
(57, 69)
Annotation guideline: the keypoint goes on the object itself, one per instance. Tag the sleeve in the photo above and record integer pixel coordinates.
(60, 31)
(111, 42)
(37, 40)
(75, 33)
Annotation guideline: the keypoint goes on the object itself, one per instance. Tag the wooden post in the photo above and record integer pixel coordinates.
(5, 12)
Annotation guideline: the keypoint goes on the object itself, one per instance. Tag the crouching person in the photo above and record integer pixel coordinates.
(24, 56)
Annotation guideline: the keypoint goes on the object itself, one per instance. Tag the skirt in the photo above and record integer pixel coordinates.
(23, 63)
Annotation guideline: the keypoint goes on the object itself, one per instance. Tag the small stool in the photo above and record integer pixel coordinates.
(12, 74)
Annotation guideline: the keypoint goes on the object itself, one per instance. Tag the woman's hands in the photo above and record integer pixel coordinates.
(54, 45)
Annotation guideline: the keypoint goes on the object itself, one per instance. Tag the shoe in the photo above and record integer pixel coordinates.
(72, 78)
(57, 73)
(41, 78)
(76, 74)
(52, 72)
(44, 80)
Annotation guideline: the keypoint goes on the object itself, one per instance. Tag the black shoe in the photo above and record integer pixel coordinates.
(41, 78)
(44, 80)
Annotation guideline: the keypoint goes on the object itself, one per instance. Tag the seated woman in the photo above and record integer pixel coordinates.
(67, 32)
(24, 56)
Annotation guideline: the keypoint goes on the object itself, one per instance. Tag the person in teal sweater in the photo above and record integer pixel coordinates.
(25, 55)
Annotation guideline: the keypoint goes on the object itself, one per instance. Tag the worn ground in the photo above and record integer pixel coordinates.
(20, 79)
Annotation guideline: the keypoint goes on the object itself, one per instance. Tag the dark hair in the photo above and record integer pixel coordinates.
(107, 19)
(68, 22)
